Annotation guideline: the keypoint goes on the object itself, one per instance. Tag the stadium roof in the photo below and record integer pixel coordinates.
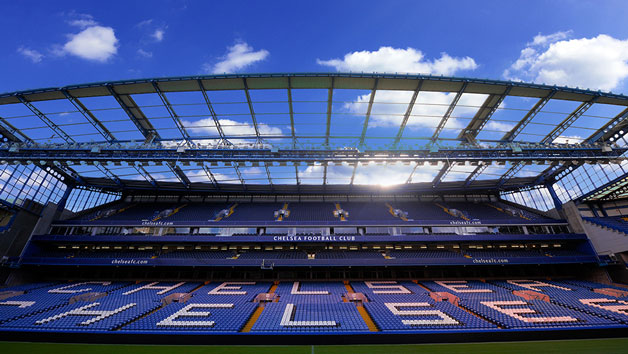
(312, 132)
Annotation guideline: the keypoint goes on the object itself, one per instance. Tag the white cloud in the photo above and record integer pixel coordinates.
(230, 128)
(568, 139)
(239, 56)
(426, 113)
(143, 53)
(158, 35)
(82, 20)
(410, 60)
(383, 175)
(500, 126)
(31, 54)
(83, 23)
(95, 43)
(144, 23)
(595, 63)
(540, 39)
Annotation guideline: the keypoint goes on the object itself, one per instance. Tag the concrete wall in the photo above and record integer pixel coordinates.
(605, 241)
(13, 240)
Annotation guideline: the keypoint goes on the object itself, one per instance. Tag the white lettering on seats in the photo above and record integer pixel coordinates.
(296, 291)
(227, 288)
(152, 286)
(387, 289)
(83, 311)
(287, 320)
(397, 309)
(533, 284)
(621, 307)
(517, 312)
(67, 289)
(185, 312)
(461, 286)
(19, 304)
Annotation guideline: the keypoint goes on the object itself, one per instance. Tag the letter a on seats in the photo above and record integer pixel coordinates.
(83, 311)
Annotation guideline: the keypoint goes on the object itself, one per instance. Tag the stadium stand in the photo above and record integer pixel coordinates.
(613, 223)
(310, 307)
(483, 238)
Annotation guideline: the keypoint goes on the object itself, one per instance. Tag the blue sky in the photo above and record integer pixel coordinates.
(198, 33)
(575, 43)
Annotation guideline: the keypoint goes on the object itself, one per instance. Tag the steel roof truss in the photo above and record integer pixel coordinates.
(237, 169)
(330, 95)
(97, 124)
(568, 121)
(450, 110)
(9, 131)
(514, 132)
(173, 114)
(483, 115)
(444, 171)
(102, 168)
(180, 174)
(355, 168)
(248, 101)
(367, 117)
(610, 128)
(475, 174)
(291, 110)
(60, 132)
(223, 140)
(514, 169)
(406, 116)
(211, 176)
(135, 114)
(409, 180)
(270, 181)
(146, 175)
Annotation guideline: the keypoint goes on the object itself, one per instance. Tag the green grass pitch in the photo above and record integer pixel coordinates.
(606, 346)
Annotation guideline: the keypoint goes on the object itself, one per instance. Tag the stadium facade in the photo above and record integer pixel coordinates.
(316, 207)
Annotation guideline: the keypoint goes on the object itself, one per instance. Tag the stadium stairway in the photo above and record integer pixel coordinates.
(609, 223)
(258, 311)
(366, 317)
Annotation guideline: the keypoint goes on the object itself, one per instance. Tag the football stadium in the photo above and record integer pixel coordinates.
(134, 212)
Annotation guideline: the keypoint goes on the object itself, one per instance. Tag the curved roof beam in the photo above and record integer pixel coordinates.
(512, 134)
(135, 114)
(221, 133)
(55, 128)
(367, 117)
(483, 115)
(89, 116)
(406, 116)
(173, 114)
(450, 110)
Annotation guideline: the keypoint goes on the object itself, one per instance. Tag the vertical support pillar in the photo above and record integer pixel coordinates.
(64, 199)
(602, 210)
(557, 203)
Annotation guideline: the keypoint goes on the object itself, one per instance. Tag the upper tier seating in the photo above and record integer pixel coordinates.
(308, 212)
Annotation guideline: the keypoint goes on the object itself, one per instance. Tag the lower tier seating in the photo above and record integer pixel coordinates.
(312, 307)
